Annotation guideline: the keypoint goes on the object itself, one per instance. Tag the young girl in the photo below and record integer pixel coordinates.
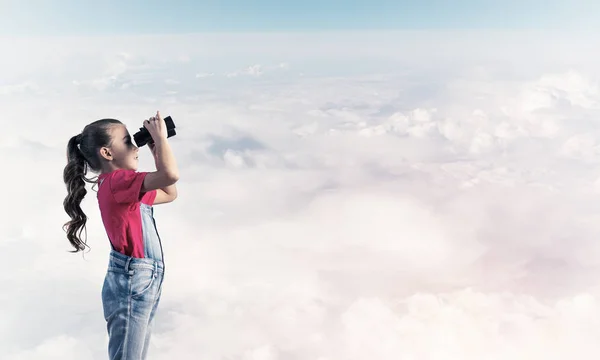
(133, 282)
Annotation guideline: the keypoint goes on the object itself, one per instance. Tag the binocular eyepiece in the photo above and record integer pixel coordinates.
(143, 137)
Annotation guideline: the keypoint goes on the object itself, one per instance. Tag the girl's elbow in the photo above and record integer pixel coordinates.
(172, 177)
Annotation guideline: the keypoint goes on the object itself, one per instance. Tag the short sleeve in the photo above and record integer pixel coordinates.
(126, 186)
(149, 197)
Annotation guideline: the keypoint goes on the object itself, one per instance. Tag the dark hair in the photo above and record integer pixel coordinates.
(82, 154)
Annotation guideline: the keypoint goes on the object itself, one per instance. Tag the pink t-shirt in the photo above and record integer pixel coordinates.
(119, 197)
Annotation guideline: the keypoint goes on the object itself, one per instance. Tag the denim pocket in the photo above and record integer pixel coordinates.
(114, 289)
(141, 281)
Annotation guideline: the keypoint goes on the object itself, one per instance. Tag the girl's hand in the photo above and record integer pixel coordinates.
(156, 127)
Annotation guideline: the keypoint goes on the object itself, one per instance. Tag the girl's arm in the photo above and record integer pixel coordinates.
(166, 194)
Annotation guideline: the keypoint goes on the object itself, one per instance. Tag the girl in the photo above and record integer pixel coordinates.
(133, 281)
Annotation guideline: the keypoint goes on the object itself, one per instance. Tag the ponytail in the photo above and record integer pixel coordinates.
(82, 155)
(74, 177)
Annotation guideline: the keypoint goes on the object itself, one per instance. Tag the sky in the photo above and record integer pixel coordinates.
(71, 17)
(353, 194)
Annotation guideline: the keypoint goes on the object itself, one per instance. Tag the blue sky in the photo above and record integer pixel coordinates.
(172, 16)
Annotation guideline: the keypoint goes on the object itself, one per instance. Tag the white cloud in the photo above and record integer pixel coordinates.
(204, 75)
(26, 87)
(185, 58)
(253, 70)
(573, 87)
(436, 205)
(57, 348)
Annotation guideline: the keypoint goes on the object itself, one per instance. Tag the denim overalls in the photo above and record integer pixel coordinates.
(131, 293)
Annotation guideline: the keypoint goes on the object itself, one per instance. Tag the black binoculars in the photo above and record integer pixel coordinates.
(143, 137)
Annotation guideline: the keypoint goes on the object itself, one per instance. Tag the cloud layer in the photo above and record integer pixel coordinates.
(348, 196)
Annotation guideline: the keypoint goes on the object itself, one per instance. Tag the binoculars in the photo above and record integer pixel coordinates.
(143, 137)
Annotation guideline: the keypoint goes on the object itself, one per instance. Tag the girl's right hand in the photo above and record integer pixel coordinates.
(156, 127)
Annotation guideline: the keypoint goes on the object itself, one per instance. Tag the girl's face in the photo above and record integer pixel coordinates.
(121, 153)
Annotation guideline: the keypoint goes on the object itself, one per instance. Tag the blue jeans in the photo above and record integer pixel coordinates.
(130, 296)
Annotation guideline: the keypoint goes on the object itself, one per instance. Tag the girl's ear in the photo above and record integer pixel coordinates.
(106, 154)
